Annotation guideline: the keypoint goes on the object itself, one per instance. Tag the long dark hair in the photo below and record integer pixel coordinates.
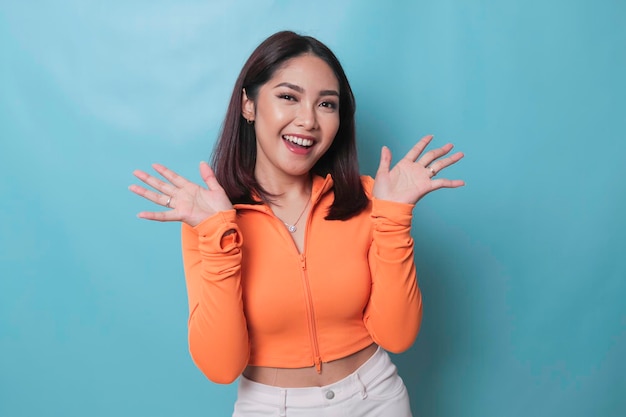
(234, 156)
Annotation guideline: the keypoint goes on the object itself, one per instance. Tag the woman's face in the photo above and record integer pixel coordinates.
(296, 117)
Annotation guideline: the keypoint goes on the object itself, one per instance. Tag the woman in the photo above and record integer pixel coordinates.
(299, 271)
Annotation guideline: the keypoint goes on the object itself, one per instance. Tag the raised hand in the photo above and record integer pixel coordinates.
(188, 202)
(412, 178)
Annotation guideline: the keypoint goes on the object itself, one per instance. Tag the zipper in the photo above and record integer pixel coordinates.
(317, 359)
(311, 316)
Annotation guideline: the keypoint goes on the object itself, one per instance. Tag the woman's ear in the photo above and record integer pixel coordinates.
(247, 107)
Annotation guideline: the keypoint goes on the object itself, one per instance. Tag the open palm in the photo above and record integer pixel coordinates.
(412, 178)
(188, 202)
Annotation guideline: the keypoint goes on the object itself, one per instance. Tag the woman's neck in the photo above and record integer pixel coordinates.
(286, 189)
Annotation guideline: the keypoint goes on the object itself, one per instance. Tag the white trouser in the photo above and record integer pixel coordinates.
(375, 389)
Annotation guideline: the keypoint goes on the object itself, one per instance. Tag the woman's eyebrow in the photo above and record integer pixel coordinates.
(301, 90)
(329, 93)
(292, 86)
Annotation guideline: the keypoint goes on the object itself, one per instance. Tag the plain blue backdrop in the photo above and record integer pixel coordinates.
(522, 270)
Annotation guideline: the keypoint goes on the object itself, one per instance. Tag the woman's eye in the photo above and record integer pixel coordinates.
(329, 105)
(286, 97)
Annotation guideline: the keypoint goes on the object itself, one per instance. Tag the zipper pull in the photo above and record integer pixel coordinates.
(318, 364)
(303, 261)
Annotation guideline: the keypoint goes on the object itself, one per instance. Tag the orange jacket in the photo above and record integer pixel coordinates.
(253, 299)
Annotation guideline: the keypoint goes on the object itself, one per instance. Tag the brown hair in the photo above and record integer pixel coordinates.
(234, 156)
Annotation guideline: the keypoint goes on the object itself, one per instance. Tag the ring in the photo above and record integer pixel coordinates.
(169, 200)
(432, 172)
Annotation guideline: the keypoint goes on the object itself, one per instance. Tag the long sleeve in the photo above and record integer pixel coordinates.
(218, 336)
(394, 312)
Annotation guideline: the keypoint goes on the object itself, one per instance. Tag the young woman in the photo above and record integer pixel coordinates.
(300, 272)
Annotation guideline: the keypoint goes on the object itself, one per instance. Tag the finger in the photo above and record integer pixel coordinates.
(434, 154)
(385, 160)
(208, 176)
(170, 175)
(159, 216)
(158, 198)
(445, 183)
(154, 182)
(418, 148)
(446, 162)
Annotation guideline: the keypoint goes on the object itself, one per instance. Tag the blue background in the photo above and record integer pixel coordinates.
(522, 270)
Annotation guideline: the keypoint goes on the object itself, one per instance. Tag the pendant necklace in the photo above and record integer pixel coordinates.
(292, 227)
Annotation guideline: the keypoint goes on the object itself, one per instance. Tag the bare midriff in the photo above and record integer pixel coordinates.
(309, 377)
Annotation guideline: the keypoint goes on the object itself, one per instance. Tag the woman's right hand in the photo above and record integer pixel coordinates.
(188, 202)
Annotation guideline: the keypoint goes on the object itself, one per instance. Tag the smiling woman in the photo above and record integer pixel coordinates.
(299, 271)
(297, 116)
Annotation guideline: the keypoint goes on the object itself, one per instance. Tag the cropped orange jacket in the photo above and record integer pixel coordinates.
(254, 299)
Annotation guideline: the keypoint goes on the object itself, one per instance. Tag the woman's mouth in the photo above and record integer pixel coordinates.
(305, 143)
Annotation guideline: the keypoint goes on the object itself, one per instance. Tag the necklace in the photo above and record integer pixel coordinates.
(292, 227)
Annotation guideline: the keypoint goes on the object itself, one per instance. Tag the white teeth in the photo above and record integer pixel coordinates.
(299, 141)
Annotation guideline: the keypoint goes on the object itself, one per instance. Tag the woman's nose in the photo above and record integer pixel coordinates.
(306, 118)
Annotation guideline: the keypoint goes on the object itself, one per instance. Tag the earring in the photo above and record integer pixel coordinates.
(250, 121)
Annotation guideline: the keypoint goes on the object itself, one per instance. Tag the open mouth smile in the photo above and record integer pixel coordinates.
(305, 143)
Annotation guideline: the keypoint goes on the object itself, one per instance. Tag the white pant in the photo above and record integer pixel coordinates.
(375, 389)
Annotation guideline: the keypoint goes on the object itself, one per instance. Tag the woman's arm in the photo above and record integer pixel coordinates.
(211, 241)
(394, 312)
(218, 336)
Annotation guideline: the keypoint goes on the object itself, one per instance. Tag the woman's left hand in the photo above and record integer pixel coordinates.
(413, 176)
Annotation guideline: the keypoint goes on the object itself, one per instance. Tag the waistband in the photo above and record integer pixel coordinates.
(376, 367)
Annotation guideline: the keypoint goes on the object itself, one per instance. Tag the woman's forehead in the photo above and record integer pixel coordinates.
(307, 72)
